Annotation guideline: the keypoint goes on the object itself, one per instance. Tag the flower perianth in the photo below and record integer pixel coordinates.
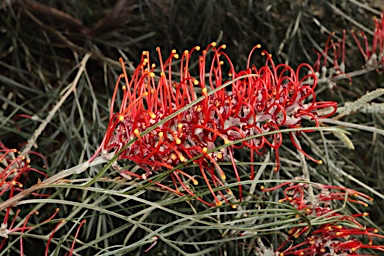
(14, 176)
(12, 168)
(340, 236)
(258, 101)
(373, 53)
(330, 62)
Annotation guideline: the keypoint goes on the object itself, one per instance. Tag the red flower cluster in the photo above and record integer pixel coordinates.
(13, 168)
(330, 62)
(14, 171)
(341, 236)
(165, 122)
(374, 54)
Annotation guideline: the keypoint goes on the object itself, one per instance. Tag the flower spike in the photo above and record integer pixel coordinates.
(259, 100)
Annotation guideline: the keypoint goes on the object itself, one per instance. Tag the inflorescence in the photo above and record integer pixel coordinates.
(184, 126)
(15, 171)
(340, 235)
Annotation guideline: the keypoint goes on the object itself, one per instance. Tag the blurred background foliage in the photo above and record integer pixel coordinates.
(42, 43)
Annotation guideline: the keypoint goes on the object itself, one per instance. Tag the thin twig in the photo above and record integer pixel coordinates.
(109, 21)
(57, 33)
(57, 177)
(350, 177)
(349, 18)
(60, 16)
(304, 169)
(352, 125)
(50, 115)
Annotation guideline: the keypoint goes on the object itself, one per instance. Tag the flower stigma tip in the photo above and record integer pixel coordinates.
(182, 158)
(152, 115)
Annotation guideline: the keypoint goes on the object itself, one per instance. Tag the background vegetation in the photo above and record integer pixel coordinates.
(42, 44)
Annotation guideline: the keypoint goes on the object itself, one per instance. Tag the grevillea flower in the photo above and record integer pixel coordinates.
(14, 227)
(13, 168)
(341, 235)
(165, 122)
(374, 53)
(14, 171)
(330, 62)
